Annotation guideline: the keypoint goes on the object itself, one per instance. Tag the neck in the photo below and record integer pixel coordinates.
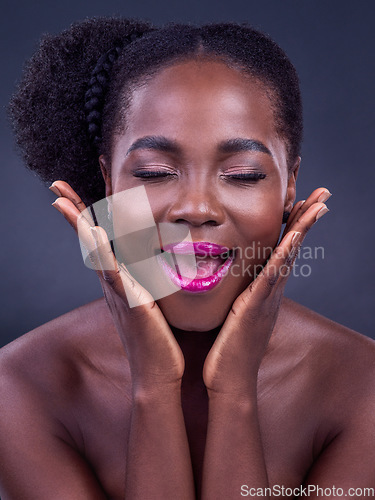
(195, 346)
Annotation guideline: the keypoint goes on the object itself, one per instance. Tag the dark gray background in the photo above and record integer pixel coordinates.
(332, 45)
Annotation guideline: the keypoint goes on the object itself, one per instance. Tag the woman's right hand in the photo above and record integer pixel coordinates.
(155, 358)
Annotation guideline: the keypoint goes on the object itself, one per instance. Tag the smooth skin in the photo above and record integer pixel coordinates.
(159, 402)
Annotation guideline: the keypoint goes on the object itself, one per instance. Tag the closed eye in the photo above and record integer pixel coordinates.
(147, 174)
(244, 176)
(249, 176)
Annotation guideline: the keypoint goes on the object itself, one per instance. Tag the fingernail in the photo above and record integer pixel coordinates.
(54, 190)
(295, 238)
(56, 205)
(96, 236)
(94, 233)
(324, 197)
(321, 212)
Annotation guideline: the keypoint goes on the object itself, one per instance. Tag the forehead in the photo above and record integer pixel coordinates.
(201, 102)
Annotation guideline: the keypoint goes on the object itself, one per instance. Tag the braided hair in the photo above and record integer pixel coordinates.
(76, 89)
(94, 97)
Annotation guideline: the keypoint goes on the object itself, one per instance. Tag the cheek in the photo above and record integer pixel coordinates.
(258, 212)
(135, 235)
(258, 227)
(269, 218)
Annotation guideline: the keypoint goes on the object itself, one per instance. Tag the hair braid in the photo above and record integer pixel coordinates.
(97, 89)
(94, 97)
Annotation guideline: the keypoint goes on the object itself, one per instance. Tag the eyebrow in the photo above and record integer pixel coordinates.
(161, 143)
(239, 144)
(155, 142)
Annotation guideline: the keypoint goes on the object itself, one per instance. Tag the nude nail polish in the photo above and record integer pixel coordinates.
(54, 190)
(321, 212)
(324, 197)
(94, 234)
(56, 205)
(296, 237)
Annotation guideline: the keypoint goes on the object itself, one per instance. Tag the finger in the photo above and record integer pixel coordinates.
(71, 213)
(112, 274)
(106, 257)
(295, 209)
(292, 215)
(302, 224)
(279, 265)
(254, 296)
(81, 226)
(320, 195)
(283, 258)
(116, 275)
(62, 188)
(306, 220)
(95, 240)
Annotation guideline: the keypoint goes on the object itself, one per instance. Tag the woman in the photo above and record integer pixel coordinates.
(223, 388)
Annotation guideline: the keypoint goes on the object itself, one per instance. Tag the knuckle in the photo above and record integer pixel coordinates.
(111, 278)
(271, 281)
(101, 233)
(286, 269)
(270, 277)
(108, 279)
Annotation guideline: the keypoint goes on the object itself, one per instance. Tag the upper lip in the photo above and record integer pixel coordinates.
(202, 248)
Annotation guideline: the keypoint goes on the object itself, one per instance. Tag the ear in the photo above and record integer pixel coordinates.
(291, 188)
(104, 167)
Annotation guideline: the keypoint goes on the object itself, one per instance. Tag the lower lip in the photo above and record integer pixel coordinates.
(197, 285)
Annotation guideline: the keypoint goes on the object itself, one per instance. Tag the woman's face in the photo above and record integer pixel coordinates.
(211, 124)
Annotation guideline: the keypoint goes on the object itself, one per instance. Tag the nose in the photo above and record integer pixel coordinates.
(197, 205)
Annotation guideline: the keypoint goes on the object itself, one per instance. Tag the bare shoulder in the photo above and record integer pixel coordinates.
(325, 380)
(82, 331)
(60, 382)
(320, 332)
(51, 360)
(339, 360)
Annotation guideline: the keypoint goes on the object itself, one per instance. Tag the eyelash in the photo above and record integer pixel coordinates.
(152, 174)
(146, 174)
(251, 176)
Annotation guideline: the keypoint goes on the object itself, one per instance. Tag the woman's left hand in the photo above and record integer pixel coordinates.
(232, 365)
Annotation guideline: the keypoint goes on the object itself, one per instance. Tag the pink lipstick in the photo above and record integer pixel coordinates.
(213, 262)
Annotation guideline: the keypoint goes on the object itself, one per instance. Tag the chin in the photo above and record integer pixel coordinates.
(194, 321)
